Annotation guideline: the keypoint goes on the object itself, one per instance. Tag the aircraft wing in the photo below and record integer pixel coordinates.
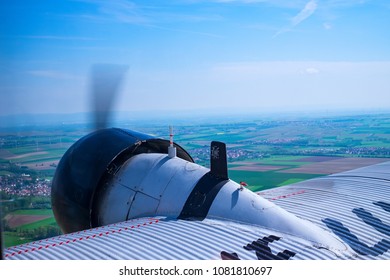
(160, 238)
(354, 206)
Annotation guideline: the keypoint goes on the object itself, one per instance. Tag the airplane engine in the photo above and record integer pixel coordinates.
(78, 181)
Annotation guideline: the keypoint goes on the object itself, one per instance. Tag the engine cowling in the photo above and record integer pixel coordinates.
(91, 160)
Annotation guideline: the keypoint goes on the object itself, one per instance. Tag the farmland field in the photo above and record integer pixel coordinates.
(279, 171)
(27, 225)
(258, 181)
(12, 239)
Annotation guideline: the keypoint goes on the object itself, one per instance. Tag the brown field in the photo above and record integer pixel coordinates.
(258, 167)
(19, 220)
(26, 155)
(335, 165)
(316, 159)
(42, 165)
(246, 163)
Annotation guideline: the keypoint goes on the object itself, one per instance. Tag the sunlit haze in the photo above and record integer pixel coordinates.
(259, 55)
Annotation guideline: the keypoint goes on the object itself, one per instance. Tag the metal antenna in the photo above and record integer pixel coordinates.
(171, 148)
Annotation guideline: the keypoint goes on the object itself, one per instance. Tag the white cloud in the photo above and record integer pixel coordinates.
(139, 13)
(118, 10)
(312, 71)
(124, 11)
(306, 12)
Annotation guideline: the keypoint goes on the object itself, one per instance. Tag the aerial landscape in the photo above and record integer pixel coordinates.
(297, 90)
(263, 152)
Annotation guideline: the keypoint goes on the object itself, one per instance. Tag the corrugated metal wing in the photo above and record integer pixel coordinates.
(158, 238)
(354, 205)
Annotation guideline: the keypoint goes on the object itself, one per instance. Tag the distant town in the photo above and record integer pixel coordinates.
(23, 185)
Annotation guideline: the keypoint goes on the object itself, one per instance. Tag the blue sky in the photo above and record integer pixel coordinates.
(256, 55)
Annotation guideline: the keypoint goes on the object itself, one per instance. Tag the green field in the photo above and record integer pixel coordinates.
(33, 212)
(282, 160)
(12, 239)
(5, 173)
(28, 231)
(33, 156)
(258, 181)
(43, 223)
